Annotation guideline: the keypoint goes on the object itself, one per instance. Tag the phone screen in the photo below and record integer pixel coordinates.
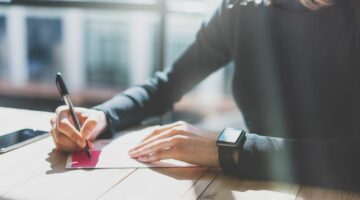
(20, 136)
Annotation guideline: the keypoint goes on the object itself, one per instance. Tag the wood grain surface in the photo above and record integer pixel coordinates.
(37, 172)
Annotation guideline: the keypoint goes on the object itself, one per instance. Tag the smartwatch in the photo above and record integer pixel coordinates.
(229, 140)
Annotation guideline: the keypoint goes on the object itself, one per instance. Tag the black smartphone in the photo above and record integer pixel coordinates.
(20, 138)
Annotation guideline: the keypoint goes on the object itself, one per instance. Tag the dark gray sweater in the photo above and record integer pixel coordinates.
(296, 81)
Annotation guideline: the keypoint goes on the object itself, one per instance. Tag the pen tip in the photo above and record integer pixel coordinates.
(87, 152)
(88, 155)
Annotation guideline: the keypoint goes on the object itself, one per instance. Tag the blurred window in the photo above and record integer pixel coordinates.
(110, 1)
(43, 47)
(107, 53)
(3, 46)
(102, 47)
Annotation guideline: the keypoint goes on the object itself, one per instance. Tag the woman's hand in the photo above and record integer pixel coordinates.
(180, 141)
(64, 133)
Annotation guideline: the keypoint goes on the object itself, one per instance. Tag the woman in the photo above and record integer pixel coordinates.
(296, 82)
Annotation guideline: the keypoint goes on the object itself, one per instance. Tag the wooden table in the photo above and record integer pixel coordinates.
(36, 171)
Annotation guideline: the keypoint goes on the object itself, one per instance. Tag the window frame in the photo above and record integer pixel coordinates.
(159, 7)
(85, 4)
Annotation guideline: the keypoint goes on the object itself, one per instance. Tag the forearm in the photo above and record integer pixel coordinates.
(208, 53)
(330, 163)
(134, 105)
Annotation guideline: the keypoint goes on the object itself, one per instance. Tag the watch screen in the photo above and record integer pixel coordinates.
(229, 136)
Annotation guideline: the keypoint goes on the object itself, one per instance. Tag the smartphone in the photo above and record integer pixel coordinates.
(20, 138)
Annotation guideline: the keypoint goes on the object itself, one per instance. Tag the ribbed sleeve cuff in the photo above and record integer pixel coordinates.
(109, 130)
(261, 158)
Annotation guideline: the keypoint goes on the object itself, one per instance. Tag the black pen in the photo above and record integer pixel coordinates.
(65, 95)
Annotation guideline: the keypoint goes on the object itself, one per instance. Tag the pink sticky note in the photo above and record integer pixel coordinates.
(80, 160)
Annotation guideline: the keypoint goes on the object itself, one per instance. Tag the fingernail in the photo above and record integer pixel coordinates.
(133, 154)
(85, 135)
(81, 143)
(134, 148)
(142, 158)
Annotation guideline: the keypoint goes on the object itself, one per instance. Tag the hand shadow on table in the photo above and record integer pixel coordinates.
(57, 161)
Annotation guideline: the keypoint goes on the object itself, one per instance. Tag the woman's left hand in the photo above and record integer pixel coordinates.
(180, 141)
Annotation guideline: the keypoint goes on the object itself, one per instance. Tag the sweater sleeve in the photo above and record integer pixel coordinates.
(321, 162)
(208, 53)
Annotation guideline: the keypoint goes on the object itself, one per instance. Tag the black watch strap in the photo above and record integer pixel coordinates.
(226, 151)
(226, 159)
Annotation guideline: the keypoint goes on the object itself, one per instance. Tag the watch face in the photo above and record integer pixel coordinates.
(229, 136)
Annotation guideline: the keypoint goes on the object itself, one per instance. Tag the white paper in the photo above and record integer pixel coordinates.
(114, 154)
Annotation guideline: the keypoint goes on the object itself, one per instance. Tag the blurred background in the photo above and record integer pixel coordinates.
(103, 47)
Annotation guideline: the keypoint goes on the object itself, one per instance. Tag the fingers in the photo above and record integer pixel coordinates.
(52, 134)
(163, 132)
(162, 135)
(157, 156)
(161, 129)
(62, 142)
(81, 113)
(164, 142)
(65, 127)
(52, 121)
(157, 146)
(89, 127)
(66, 136)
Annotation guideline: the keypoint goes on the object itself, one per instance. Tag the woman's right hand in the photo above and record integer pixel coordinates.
(64, 133)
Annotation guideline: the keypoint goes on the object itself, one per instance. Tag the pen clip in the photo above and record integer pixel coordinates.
(60, 84)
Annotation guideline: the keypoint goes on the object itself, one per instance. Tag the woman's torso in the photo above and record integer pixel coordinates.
(297, 71)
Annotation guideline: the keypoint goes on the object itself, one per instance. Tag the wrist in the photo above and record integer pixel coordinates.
(229, 143)
(102, 123)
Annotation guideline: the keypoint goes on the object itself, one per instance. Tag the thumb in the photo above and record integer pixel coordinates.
(88, 128)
